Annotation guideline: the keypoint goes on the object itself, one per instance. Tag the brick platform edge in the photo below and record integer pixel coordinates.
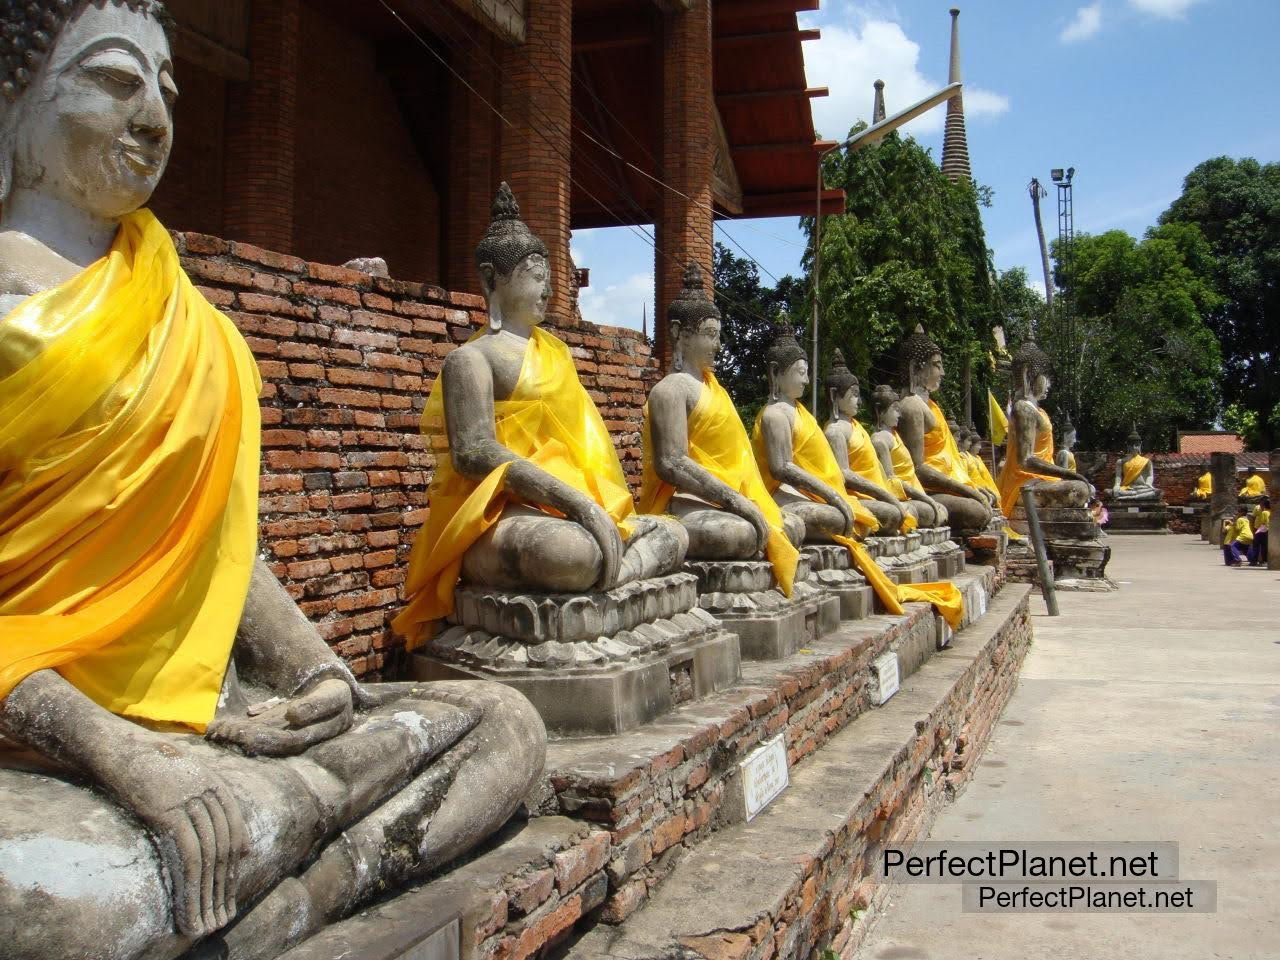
(540, 890)
(347, 362)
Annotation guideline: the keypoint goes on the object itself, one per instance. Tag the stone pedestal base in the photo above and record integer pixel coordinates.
(589, 663)
(1151, 517)
(742, 596)
(831, 571)
(1075, 543)
(947, 555)
(904, 559)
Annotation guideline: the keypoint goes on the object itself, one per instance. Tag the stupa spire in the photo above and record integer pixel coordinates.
(955, 144)
(877, 109)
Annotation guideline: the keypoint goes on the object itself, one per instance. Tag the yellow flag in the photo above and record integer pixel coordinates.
(999, 422)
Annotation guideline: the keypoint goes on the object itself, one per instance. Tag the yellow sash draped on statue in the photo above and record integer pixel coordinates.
(719, 444)
(904, 468)
(1253, 487)
(129, 436)
(1133, 469)
(1013, 477)
(979, 473)
(864, 461)
(941, 451)
(1071, 461)
(549, 420)
(812, 453)
(1204, 487)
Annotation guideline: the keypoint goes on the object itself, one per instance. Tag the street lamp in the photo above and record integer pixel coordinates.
(873, 134)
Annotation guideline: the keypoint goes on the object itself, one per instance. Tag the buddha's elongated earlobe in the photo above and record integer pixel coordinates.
(677, 354)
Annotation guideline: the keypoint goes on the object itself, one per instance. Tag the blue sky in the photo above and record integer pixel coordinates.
(1132, 93)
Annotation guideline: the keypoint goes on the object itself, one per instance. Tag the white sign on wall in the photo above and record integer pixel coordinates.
(764, 775)
(884, 675)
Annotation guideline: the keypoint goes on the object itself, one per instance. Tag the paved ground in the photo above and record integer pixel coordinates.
(1148, 714)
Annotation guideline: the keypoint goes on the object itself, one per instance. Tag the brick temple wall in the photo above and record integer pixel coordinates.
(1176, 473)
(347, 362)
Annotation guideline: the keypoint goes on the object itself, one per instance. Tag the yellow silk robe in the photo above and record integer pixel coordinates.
(904, 468)
(1014, 477)
(1204, 487)
(1133, 469)
(864, 461)
(129, 437)
(719, 444)
(941, 451)
(812, 453)
(1071, 460)
(979, 473)
(549, 420)
(1253, 487)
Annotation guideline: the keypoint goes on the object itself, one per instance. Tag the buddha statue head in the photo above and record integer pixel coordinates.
(1068, 433)
(787, 367)
(921, 362)
(694, 321)
(1134, 442)
(1031, 370)
(842, 388)
(884, 401)
(515, 271)
(86, 109)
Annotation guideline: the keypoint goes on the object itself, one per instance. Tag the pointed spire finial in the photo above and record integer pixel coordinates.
(955, 142)
(877, 107)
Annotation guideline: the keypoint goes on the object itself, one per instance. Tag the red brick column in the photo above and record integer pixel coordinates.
(683, 227)
(473, 159)
(261, 129)
(535, 148)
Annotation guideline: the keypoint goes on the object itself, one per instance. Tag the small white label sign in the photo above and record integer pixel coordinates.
(885, 670)
(1133, 509)
(764, 775)
(980, 594)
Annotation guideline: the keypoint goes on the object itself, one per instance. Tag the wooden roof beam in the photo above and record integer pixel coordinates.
(783, 92)
(811, 34)
(608, 33)
(792, 203)
(786, 146)
(733, 9)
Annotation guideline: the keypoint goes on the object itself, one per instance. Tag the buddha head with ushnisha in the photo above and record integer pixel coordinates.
(788, 369)
(694, 321)
(515, 270)
(920, 359)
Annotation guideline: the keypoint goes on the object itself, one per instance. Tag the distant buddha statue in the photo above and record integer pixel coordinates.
(1029, 461)
(182, 758)
(971, 447)
(896, 462)
(1204, 487)
(528, 493)
(1065, 457)
(923, 428)
(1135, 475)
(798, 465)
(864, 477)
(1254, 488)
(698, 462)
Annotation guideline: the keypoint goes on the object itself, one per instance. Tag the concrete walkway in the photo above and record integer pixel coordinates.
(1148, 714)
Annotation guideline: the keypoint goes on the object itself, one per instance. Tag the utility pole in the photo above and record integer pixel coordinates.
(1037, 192)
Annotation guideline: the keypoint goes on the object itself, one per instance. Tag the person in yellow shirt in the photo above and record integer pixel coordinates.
(1237, 538)
(1260, 521)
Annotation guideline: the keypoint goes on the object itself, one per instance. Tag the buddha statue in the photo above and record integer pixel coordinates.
(1029, 460)
(864, 477)
(1066, 457)
(533, 561)
(1204, 487)
(979, 473)
(1135, 475)
(183, 760)
(798, 465)
(1254, 489)
(896, 462)
(923, 428)
(698, 463)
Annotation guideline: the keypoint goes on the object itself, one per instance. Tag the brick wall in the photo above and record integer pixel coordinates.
(347, 361)
(1176, 473)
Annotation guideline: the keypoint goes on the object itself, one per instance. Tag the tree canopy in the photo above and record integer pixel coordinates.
(1236, 206)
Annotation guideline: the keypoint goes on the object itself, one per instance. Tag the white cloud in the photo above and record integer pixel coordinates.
(1086, 22)
(870, 46)
(1168, 9)
(620, 304)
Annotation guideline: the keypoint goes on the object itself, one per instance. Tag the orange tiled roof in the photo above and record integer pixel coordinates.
(1210, 442)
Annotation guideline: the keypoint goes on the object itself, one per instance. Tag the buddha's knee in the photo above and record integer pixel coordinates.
(887, 515)
(563, 558)
(822, 522)
(715, 535)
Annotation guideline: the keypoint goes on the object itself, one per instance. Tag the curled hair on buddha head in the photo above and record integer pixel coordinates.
(508, 239)
(839, 379)
(687, 311)
(882, 398)
(1027, 363)
(783, 352)
(917, 348)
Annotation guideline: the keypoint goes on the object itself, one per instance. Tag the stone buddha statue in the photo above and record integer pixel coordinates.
(794, 456)
(183, 759)
(923, 428)
(1254, 488)
(1029, 460)
(698, 462)
(1135, 475)
(971, 446)
(864, 476)
(896, 460)
(1066, 457)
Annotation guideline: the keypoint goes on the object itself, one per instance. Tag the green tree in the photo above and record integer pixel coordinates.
(1236, 205)
(1145, 354)
(909, 249)
(749, 309)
